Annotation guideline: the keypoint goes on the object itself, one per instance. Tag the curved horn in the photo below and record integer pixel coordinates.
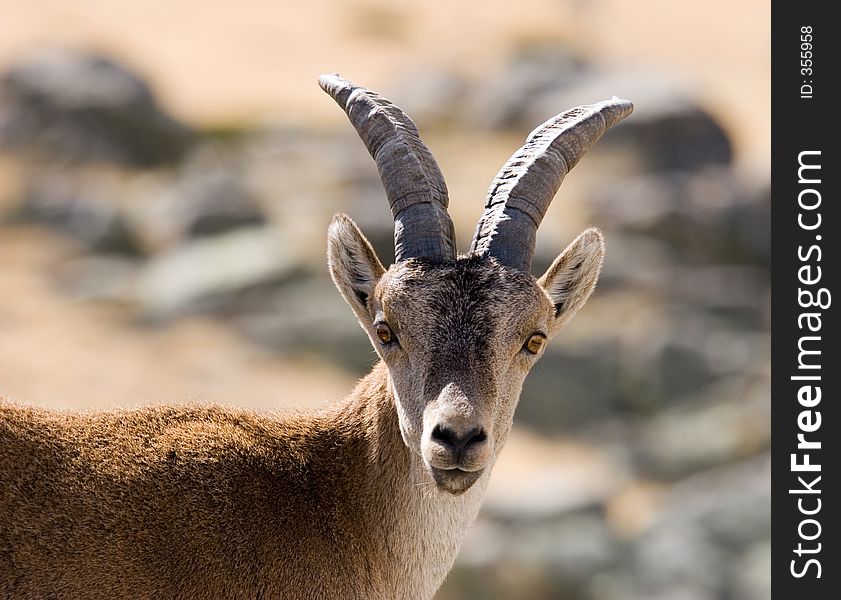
(412, 180)
(524, 187)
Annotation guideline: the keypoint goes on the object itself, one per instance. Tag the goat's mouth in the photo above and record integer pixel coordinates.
(455, 481)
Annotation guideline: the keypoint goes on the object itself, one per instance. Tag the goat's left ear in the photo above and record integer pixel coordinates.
(354, 266)
(572, 277)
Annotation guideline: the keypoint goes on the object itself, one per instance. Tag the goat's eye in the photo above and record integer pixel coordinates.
(535, 343)
(384, 333)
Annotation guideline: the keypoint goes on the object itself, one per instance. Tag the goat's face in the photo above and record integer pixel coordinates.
(459, 338)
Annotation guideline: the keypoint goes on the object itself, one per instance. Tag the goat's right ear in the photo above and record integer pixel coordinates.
(353, 264)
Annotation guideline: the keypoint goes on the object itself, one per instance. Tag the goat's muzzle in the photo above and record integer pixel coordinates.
(457, 453)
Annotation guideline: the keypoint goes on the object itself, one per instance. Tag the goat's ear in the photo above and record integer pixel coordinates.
(353, 264)
(572, 277)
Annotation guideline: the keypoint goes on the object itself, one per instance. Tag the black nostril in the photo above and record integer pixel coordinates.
(446, 436)
(456, 442)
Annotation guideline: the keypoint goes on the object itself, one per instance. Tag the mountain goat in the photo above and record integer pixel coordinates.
(366, 499)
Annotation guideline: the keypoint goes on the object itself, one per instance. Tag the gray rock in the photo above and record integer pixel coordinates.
(81, 107)
(430, 96)
(212, 195)
(216, 203)
(305, 316)
(213, 273)
(208, 194)
(738, 295)
(669, 129)
(508, 580)
(679, 555)
(752, 573)
(635, 261)
(578, 546)
(659, 360)
(553, 558)
(688, 438)
(676, 591)
(670, 353)
(506, 100)
(82, 205)
(710, 537)
(731, 505)
(98, 277)
(711, 216)
(571, 386)
(302, 179)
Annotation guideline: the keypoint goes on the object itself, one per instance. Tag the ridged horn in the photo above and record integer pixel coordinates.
(413, 182)
(523, 189)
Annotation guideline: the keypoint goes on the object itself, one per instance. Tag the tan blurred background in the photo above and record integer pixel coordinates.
(167, 172)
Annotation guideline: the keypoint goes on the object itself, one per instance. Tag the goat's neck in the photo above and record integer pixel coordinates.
(417, 529)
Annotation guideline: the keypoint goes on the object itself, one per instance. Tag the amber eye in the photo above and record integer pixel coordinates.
(535, 343)
(384, 333)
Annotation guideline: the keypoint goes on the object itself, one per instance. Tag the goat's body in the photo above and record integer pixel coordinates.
(217, 503)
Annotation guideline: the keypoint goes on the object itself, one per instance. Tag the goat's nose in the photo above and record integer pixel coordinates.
(455, 443)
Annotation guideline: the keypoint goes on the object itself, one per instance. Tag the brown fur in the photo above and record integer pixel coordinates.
(199, 502)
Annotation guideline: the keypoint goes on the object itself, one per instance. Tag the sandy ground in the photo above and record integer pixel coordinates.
(216, 62)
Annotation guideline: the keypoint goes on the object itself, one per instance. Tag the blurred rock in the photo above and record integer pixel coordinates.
(752, 579)
(211, 273)
(305, 316)
(506, 100)
(302, 178)
(679, 136)
(75, 107)
(707, 541)
(685, 439)
(99, 277)
(657, 363)
(670, 353)
(679, 556)
(571, 386)
(708, 521)
(554, 558)
(508, 580)
(677, 591)
(732, 503)
(212, 193)
(711, 216)
(206, 196)
(83, 205)
(635, 261)
(711, 526)
(739, 295)
(429, 96)
(668, 131)
(595, 547)
(217, 203)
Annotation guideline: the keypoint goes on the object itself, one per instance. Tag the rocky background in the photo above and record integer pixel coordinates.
(146, 257)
